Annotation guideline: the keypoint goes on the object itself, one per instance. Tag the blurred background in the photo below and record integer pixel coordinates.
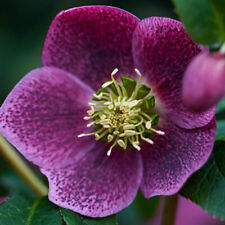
(23, 27)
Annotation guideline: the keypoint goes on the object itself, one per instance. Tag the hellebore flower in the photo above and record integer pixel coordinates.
(204, 81)
(147, 141)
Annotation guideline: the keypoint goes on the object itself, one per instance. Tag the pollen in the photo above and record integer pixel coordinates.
(123, 114)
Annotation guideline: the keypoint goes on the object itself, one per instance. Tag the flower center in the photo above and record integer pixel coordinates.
(123, 113)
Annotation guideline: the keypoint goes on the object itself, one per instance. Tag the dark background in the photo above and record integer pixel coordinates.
(24, 24)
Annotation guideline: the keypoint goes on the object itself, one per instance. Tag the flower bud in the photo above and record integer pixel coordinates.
(204, 81)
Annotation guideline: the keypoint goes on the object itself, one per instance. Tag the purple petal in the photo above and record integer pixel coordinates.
(174, 157)
(162, 50)
(97, 185)
(91, 42)
(42, 117)
(204, 81)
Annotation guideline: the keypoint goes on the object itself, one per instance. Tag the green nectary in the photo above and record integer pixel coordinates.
(123, 113)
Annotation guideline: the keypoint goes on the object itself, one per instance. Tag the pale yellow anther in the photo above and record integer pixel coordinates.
(109, 152)
(102, 117)
(109, 138)
(133, 103)
(112, 146)
(114, 72)
(121, 143)
(97, 137)
(138, 72)
(128, 127)
(130, 132)
(158, 131)
(148, 140)
(136, 146)
(116, 132)
(98, 96)
(91, 103)
(90, 124)
(81, 135)
(148, 124)
(107, 103)
(87, 118)
(91, 111)
(110, 106)
(106, 84)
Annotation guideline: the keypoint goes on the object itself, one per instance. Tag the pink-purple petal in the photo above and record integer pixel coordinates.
(91, 42)
(162, 50)
(43, 115)
(204, 81)
(174, 157)
(98, 185)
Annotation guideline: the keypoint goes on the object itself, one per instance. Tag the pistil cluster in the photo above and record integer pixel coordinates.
(122, 113)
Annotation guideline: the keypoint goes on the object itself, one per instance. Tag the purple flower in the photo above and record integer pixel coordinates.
(157, 142)
(204, 81)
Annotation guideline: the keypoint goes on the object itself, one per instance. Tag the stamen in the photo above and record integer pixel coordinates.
(92, 104)
(115, 82)
(114, 71)
(121, 143)
(148, 124)
(133, 103)
(91, 111)
(158, 131)
(109, 138)
(147, 140)
(106, 84)
(85, 135)
(98, 96)
(112, 146)
(102, 135)
(128, 127)
(91, 124)
(87, 118)
(136, 145)
(121, 120)
(138, 83)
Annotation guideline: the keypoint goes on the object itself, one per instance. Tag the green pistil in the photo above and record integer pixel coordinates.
(122, 113)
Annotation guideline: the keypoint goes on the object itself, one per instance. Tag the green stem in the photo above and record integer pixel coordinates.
(21, 168)
(169, 211)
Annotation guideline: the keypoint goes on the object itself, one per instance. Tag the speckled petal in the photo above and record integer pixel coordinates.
(42, 117)
(162, 50)
(174, 157)
(204, 81)
(98, 185)
(91, 42)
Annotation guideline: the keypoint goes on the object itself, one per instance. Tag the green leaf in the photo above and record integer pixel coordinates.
(219, 155)
(220, 131)
(203, 19)
(28, 211)
(129, 85)
(220, 119)
(72, 218)
(221, 106)
(207, 186)
(140, 211)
